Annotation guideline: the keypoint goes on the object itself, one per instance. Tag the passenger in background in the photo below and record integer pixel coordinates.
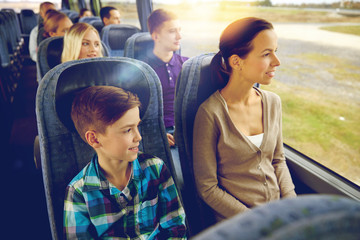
(81, 41)
(121, 192)
(84, 12)
(238, 153)
(165, 29)
(56, 24)
(44, 7)
(109, 15)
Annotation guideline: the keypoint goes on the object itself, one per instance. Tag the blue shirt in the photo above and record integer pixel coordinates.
(147, 208)
(168, 74)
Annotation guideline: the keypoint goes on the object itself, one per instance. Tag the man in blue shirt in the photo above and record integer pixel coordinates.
(165, 29)
(121, 193)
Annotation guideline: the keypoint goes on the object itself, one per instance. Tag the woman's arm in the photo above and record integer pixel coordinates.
(205, 167)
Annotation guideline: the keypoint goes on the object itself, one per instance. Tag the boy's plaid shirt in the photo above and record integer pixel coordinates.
(147, 208)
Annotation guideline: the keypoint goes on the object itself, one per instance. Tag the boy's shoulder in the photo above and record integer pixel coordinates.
(148, 160)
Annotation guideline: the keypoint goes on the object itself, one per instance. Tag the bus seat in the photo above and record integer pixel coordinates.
(98, 24)
(319, 217)
(89, 19)
(73, 15)
(138, 45)
(28, 20)
(115, 35)
(63, 152)
(192, 88)
(49, 55)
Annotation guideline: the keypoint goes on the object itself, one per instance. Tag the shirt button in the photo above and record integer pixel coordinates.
(170, 78)
(259, 167)
(168, 71)
(167, 64)
(265, 183)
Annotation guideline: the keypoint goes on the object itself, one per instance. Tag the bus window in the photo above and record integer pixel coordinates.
(318, 79)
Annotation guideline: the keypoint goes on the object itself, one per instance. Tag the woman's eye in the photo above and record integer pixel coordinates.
(85, 44)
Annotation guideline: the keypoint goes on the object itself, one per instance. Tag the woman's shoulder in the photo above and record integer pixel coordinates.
(270, 97)
(212, 102)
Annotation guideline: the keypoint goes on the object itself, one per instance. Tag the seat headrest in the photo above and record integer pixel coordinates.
(27, 12)
(54, 51)
(206, 87)
(143, 44)
(118, 34)
(127, 75)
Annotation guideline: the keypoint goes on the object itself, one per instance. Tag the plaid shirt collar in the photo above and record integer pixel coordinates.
(94, 178)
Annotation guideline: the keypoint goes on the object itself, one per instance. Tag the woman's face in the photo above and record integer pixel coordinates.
(90, 45)
(260, 64)
(64, 25)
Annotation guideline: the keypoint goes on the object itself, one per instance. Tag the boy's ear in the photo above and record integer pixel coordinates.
(91, 139)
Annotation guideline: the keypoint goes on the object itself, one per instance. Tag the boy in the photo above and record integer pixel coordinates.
(165, 29)
(121, 193)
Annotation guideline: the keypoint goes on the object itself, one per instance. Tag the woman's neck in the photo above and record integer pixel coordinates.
(237, 91)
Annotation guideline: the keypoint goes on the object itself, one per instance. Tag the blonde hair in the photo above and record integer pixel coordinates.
(73, 41)
(51, 21)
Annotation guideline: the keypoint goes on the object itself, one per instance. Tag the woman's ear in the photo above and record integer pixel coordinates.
(235, 62)
(91, 138)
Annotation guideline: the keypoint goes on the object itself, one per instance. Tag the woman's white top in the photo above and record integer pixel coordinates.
(256, 139)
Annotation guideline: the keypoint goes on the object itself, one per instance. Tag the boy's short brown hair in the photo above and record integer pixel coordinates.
(97, 107)
(157, 17)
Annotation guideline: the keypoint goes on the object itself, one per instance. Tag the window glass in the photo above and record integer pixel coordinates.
(319, 76)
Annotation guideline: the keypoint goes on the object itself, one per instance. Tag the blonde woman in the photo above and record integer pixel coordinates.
(56, 24)
(81, 41)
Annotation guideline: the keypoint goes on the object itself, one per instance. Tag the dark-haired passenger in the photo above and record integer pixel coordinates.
(110, 15)
(121, 193)
(239, 160)
(84, 12)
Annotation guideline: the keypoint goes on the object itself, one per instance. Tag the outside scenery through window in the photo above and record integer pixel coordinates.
(319, 77)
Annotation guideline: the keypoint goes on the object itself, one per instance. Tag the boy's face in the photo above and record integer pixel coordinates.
(121, 139)
(168, 35)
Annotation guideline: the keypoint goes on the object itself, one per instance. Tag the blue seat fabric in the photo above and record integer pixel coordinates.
(320, 217)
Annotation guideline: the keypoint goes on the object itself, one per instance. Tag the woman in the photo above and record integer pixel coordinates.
(56, 24)
(81, 41)
(238, 152)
